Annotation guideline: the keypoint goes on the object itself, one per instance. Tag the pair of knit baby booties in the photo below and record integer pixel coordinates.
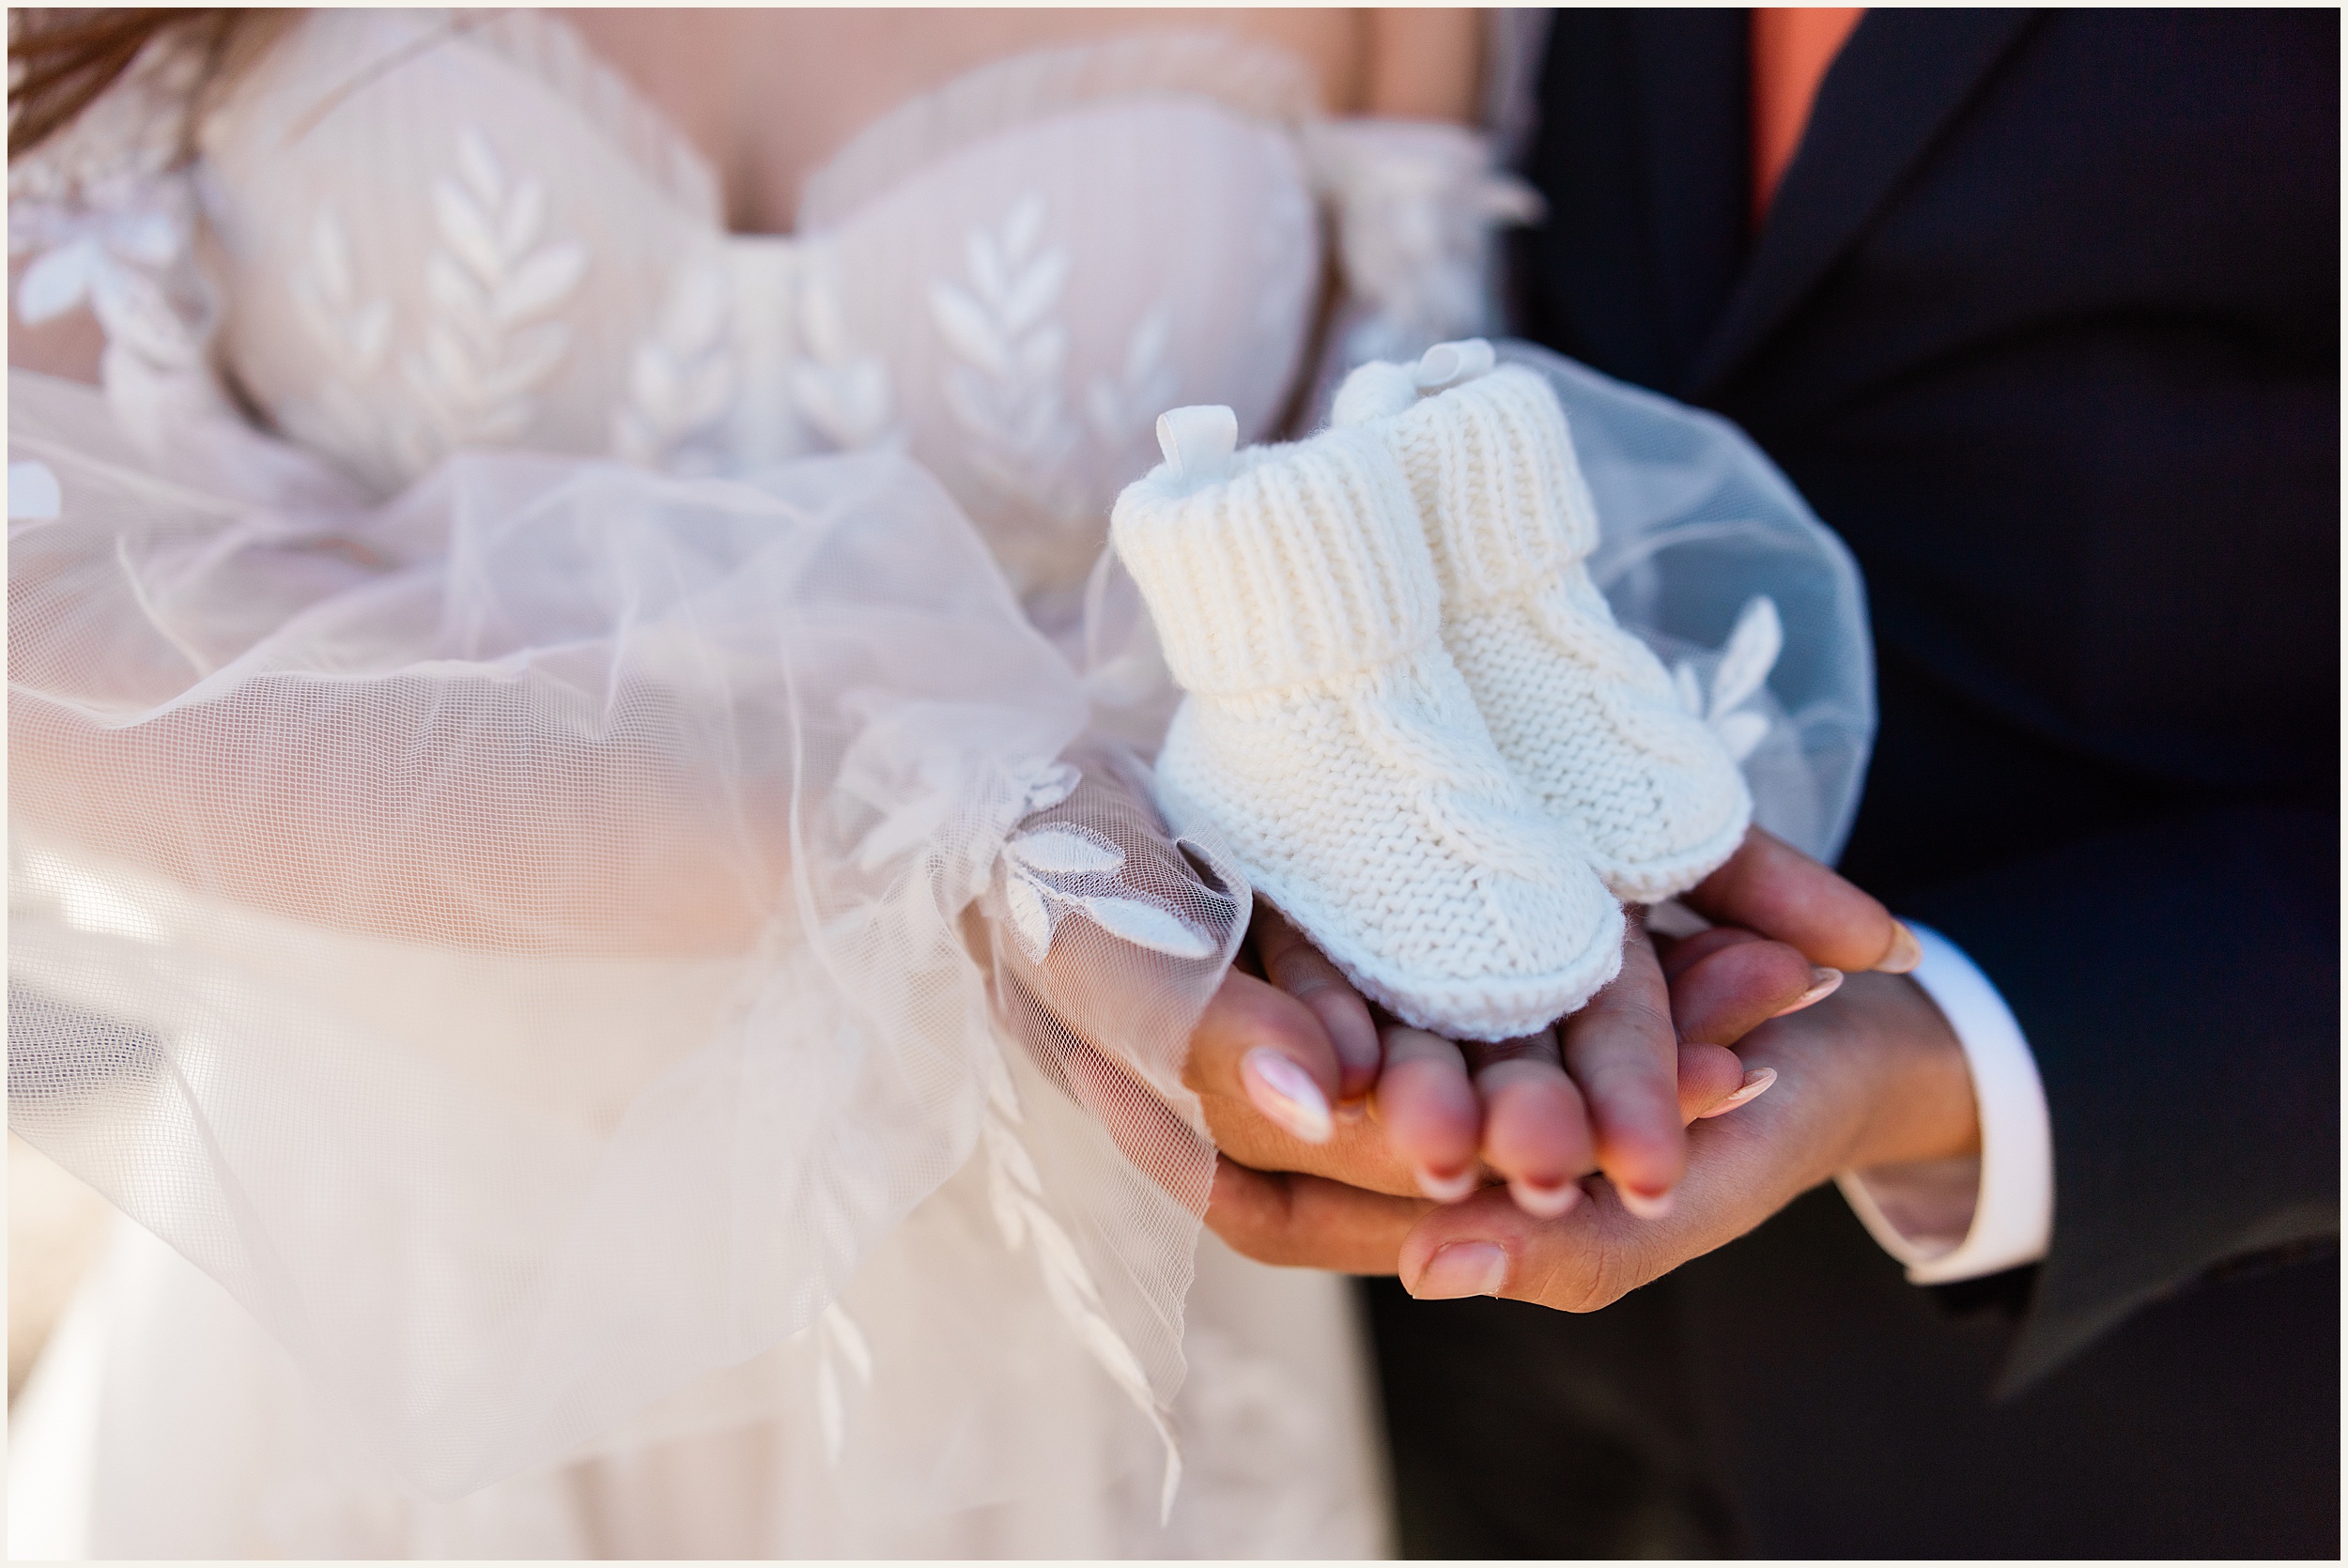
(1409, 711)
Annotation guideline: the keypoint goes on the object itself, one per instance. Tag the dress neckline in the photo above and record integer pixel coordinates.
(1257, 80)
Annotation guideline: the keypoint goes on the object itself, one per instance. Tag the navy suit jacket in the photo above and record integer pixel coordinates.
(2044, 321)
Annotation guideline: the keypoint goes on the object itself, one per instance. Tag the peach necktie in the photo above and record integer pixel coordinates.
(1792, 47)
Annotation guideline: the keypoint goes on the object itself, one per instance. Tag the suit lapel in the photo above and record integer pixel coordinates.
(1687, 73)
(1900, 80)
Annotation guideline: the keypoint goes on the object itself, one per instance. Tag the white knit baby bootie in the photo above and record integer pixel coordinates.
(1329, 739)
(1579, 708)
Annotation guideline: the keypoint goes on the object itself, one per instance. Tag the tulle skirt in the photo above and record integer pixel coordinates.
(649, 1014)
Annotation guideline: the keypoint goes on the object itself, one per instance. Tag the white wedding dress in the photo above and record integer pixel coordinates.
(575, 840)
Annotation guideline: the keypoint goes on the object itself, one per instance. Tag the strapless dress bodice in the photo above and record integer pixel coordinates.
(437, 232)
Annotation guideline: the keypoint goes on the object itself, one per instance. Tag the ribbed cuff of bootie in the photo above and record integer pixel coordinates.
(1491, 469)
(1284, 565)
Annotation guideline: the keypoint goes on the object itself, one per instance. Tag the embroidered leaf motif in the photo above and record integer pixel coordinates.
(1030, 917)
(34, 494)
(1066, 852)
(491, 283)
(1148, 926)
(1003, 1198)
(330, 257)
(480, 168)
(1005, 392)
(986, 267)
(541, 282)
(681, 382)
(1689, 688)
(1124, 412)
(1004, 1145)
(848, 1338)
(518, 228)
(1015, 1192)
(962, 322)
(1054, 785)
(54, 283)
(1023, 228)
(1741, 733)
(1749, 656)
(466, 230)
(454, 293)
(829, 1415)
(1000, 1092)
(1036, 291)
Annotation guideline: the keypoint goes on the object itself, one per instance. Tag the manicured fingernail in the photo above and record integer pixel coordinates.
(1446, 1189)
(1644, 1206)
(1906, 953)
(1286, 1093)
(1353, 1110)
(1463, 1269)
(1823, 984)
(1757, 1083)
(1545, 1203)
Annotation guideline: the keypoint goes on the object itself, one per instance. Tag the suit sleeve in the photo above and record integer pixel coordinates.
(2178, 980)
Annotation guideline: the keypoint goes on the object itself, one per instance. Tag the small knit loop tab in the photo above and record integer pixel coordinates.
(1198, 441)
(1373, 390)
(1447, 364)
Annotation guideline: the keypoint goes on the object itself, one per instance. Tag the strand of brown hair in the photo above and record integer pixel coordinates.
(60, 60)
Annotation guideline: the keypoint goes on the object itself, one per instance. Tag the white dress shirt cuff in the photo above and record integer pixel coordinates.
(1951, 1220)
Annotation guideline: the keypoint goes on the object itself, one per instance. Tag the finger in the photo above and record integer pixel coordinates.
(1257, 1043)
(1302, 1222)
(1739, 986)
(1709, 1075)
(1429, 1111)
(1677, 955)
(1624, 1053)
(1771, 887)
(1537, 1129)
(1536, 1132)
(1757, 1082)
(1302, 970)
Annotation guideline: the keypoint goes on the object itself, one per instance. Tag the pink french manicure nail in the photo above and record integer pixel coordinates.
(1906, 953)
(1545, 1203)
(1286, 1093)
(1463, 1269)
(1824, 982)
(1757, 1083)
(1445, 1188)
(1644, 1206)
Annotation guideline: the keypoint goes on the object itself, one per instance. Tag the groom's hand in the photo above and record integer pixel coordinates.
(1771, 887)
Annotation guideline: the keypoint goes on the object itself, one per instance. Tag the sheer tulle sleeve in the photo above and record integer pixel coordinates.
(560, 934)
(1757, 607)
(1416, 206)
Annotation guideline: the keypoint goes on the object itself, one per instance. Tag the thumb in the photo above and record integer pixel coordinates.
(1774, 889)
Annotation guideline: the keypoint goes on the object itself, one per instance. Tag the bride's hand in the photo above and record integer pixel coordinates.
(1281, 1064)
(1645, 1059)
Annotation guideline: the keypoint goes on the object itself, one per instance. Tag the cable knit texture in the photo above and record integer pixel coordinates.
(1581, 709)
(1329, 738)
